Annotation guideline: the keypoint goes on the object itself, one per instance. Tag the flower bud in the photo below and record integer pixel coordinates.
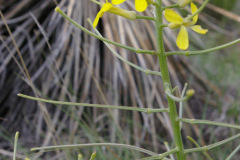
(190, 93)
(183, 3)
(124, 13)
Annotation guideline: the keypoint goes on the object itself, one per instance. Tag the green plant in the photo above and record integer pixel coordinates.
(176, 21)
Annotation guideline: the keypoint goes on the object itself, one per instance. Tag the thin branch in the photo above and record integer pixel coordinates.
(189, 94)
(233, 153)
(192, 53)
(146, 71)
(145, 110)
(145, 17)
(95, 145)
(162, 156)
(211, 146)
(171, 6)
(196, 121)
(176, 99)
(168, 149)
(198, 11)
(181, 103)
(101, 38)
(196, 144)
(168, 92)
(15, 146)
(98, 3)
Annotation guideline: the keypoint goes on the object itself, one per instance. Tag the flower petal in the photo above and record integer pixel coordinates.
(194, 9)
(116, 2)
(104, 9)
(173, 17)
(96, 20)
(182, 39)
(141, 5)
(199, 29)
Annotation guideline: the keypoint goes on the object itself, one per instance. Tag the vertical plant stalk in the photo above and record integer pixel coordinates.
(15, 145)
(166, 80)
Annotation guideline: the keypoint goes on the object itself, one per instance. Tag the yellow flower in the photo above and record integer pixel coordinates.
(116, 2)
(140, 5)
(108, 7)
(176, 21)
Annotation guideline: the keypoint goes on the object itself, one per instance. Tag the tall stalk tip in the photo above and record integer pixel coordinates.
(17, 134)
(57, 9)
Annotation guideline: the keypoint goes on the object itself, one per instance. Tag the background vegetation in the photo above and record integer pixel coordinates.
(66, 64)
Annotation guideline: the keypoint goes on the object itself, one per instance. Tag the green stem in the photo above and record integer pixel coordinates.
(198, 11)
(196, 121)
(101, 38)
(166, 79)
(181, 103)
(176, 99)
(163, 26)
(171, 6)
(168, 149)
(145, 17)
(145, 110)
(98, 3)
(233, 153)
(146, 71)
(162, 156)
(191, 53)
(196, 144)
(150, 72)
(15, 145)
(50, 148)
(212, 146)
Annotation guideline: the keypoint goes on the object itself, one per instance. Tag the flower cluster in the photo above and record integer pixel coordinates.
(108, 7)
(140, 5)
(176, 21)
